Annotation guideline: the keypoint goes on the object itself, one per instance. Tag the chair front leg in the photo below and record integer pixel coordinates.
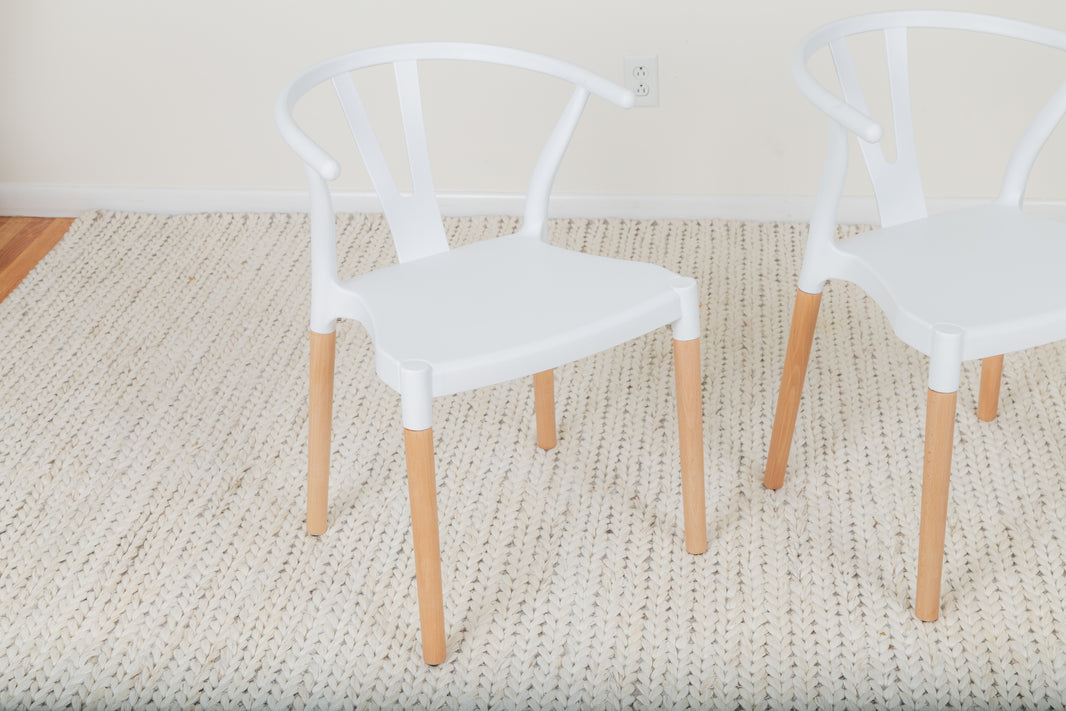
(945, 363)
(544, 404)
(991, 375)
(690, 431)
(939, 432)
(320, 420)
(797, 355)
(422, 489)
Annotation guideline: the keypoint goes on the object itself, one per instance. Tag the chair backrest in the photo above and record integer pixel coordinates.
(415, 219)
(897, 185)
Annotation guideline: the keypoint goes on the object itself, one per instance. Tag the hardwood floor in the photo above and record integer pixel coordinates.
(23, 242)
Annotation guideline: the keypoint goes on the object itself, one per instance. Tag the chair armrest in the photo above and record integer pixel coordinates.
(1028, 149)
(838, 110)
(310, 152)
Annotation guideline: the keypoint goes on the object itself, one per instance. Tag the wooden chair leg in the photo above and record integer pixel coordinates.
(690, 430)
(991, 375)
(323, 352)
(422, 489)
(797, 355)
(939, 432)
(544, 402)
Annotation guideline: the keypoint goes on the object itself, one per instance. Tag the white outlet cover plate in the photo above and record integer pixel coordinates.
(642, 78)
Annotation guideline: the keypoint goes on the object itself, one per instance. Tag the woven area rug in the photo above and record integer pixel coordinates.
(152, 461)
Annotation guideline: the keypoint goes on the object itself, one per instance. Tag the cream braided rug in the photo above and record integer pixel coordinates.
(152, 455)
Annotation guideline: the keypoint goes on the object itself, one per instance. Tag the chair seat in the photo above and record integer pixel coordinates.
(994, 271)
(507, 307)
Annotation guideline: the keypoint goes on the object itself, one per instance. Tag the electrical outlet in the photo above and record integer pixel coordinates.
(642, 78)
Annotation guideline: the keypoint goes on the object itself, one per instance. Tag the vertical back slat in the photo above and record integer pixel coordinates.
(899, 83)
(366, 139)
(904, 178)
(414, 128)
(414, 220)
(853, 95)
(897, 185)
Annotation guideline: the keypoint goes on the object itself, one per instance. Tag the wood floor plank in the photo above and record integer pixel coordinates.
(20, 241)
(26, 246)
(11, 226)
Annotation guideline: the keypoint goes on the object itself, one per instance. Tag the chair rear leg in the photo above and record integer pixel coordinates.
(422, 489)
(991, 375)
(323, 352)
(939, 432)
(797, 355)
(690, 432)
(544, 402)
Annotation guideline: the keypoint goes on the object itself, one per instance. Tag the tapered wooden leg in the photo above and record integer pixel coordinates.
(544, 402)
(797, 354)
(323, 351)
(690, 431)
(939, 432)
(988, 401)
(422, 488)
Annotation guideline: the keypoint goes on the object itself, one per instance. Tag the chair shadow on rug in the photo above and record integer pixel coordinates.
(446, 320)
(962, 285)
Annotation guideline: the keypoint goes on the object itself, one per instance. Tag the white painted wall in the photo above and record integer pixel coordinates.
(117, 94)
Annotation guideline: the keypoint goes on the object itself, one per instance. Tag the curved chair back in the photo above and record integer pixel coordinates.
(897, 185)
(415, 220)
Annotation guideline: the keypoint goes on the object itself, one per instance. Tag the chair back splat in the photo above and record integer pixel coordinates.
(897, 185)
(415, 219)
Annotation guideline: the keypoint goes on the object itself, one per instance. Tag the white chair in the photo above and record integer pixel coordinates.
(973, 283)
(444, 321)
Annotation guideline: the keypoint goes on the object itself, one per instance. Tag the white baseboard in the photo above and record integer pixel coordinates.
(59, 201)
(56, 201)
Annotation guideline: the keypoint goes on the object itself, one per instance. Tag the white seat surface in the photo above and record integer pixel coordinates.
(994, 271)
(505, 307)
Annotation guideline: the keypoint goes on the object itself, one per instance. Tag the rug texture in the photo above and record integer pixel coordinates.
(152, 460)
